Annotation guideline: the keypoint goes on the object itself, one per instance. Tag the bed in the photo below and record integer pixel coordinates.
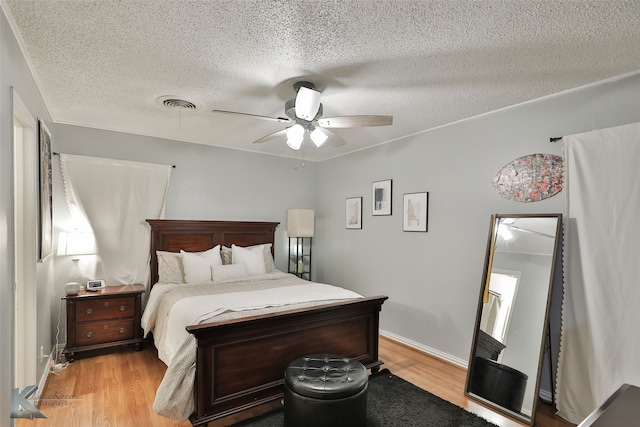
(239, 362)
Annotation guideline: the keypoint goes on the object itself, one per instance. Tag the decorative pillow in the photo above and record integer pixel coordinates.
(269, 264)
(197, 266)
(252, 257)
(170, 269)
(226, 255)
(229, 271)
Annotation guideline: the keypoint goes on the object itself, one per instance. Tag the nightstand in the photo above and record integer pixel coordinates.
(108, 317)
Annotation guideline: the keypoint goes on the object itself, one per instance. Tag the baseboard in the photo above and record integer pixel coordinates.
(43, 379)
(423, 348)
(545, 395)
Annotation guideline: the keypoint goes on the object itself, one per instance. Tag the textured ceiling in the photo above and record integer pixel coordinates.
(103, 63)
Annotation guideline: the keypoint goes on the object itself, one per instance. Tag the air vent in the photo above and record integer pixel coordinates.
(175, 103)
(179, 103)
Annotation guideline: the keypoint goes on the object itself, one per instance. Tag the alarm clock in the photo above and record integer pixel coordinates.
(94, 285)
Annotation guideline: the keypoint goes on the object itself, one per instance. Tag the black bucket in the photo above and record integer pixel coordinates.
(498, 383)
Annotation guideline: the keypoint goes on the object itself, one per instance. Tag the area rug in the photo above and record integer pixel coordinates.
(392, 401)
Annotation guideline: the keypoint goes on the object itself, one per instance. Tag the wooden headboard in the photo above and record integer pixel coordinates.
(196, 236)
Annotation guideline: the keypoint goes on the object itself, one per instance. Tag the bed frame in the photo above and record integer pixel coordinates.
(240, 363)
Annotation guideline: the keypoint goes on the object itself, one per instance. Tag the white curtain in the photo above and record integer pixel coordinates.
(600, 341)
(116, 197)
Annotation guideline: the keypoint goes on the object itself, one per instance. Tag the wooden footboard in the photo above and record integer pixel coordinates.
(240, 363)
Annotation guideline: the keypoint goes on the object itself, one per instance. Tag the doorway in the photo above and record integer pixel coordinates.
(25, 202)
(502, 295)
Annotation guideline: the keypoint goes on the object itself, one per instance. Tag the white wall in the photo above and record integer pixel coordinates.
(208, 183)
(15, 73)
(6, 277)
(433, 279)
(529, 308)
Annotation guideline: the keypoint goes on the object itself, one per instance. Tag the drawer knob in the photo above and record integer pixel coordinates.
(89, 311)
(122, 330)
(122, 308)
(89, 334)
(106, 304)
(106, 327)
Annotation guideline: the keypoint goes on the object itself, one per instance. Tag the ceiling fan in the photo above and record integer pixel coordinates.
(304, 112)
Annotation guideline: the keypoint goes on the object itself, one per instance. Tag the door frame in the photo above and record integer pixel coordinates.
(25, 220)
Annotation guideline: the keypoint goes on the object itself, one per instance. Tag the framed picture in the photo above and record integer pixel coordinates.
(46, 213)
(353, 212)
(416, 207)
(381, 197)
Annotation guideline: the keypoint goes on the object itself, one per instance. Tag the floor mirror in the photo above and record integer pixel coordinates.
(513, 309)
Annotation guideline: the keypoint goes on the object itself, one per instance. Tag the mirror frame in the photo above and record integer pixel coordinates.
(484, 288)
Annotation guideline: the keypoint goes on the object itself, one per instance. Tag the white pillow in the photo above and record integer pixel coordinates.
(197, 266)
(252, 257)
(269, 264)
(170, 268)
(229, 271)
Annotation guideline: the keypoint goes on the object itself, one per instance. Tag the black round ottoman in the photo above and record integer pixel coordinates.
(325, 390)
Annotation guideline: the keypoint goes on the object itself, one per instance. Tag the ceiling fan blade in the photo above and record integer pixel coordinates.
(307, 103)
(334, 139)
(355, 121)
(255, 116)
(271, 136)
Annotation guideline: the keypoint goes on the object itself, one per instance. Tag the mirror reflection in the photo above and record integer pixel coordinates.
(509, 338)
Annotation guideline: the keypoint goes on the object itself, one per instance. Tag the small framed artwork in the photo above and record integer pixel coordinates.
(353, 209)
(416, 208)
(46, 195)
(381, 196)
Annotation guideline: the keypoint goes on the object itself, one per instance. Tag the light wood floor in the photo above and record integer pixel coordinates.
(117, 389)
(447, 381)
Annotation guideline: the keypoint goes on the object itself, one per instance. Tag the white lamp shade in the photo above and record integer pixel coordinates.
(76, 243)
(295, 136)
(307, 103)
(300, 222)
(319, 137)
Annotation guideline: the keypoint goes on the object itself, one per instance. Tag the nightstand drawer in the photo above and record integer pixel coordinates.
(103, 308)
(101, 332)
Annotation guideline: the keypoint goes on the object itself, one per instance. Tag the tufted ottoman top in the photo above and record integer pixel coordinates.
(326, 376)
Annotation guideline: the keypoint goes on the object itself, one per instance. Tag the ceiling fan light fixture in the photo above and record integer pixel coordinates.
(319, 137)
(504, 232)
(295, 136)
(304, 112)
(294, 143)
(307, 103)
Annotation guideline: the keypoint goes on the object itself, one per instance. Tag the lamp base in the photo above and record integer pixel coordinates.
(75, 275)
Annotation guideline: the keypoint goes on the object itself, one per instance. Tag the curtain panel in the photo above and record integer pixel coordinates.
(600, 343)
(116, 197)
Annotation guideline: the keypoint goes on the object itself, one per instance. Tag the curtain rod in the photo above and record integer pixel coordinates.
(57, 154)
(555, 138)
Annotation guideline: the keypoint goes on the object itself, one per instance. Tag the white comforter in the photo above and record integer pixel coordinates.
(171, 308)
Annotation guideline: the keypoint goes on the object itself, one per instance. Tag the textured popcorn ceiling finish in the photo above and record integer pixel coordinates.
(103, 63)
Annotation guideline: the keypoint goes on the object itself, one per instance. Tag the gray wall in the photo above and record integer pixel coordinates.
(433, 279)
